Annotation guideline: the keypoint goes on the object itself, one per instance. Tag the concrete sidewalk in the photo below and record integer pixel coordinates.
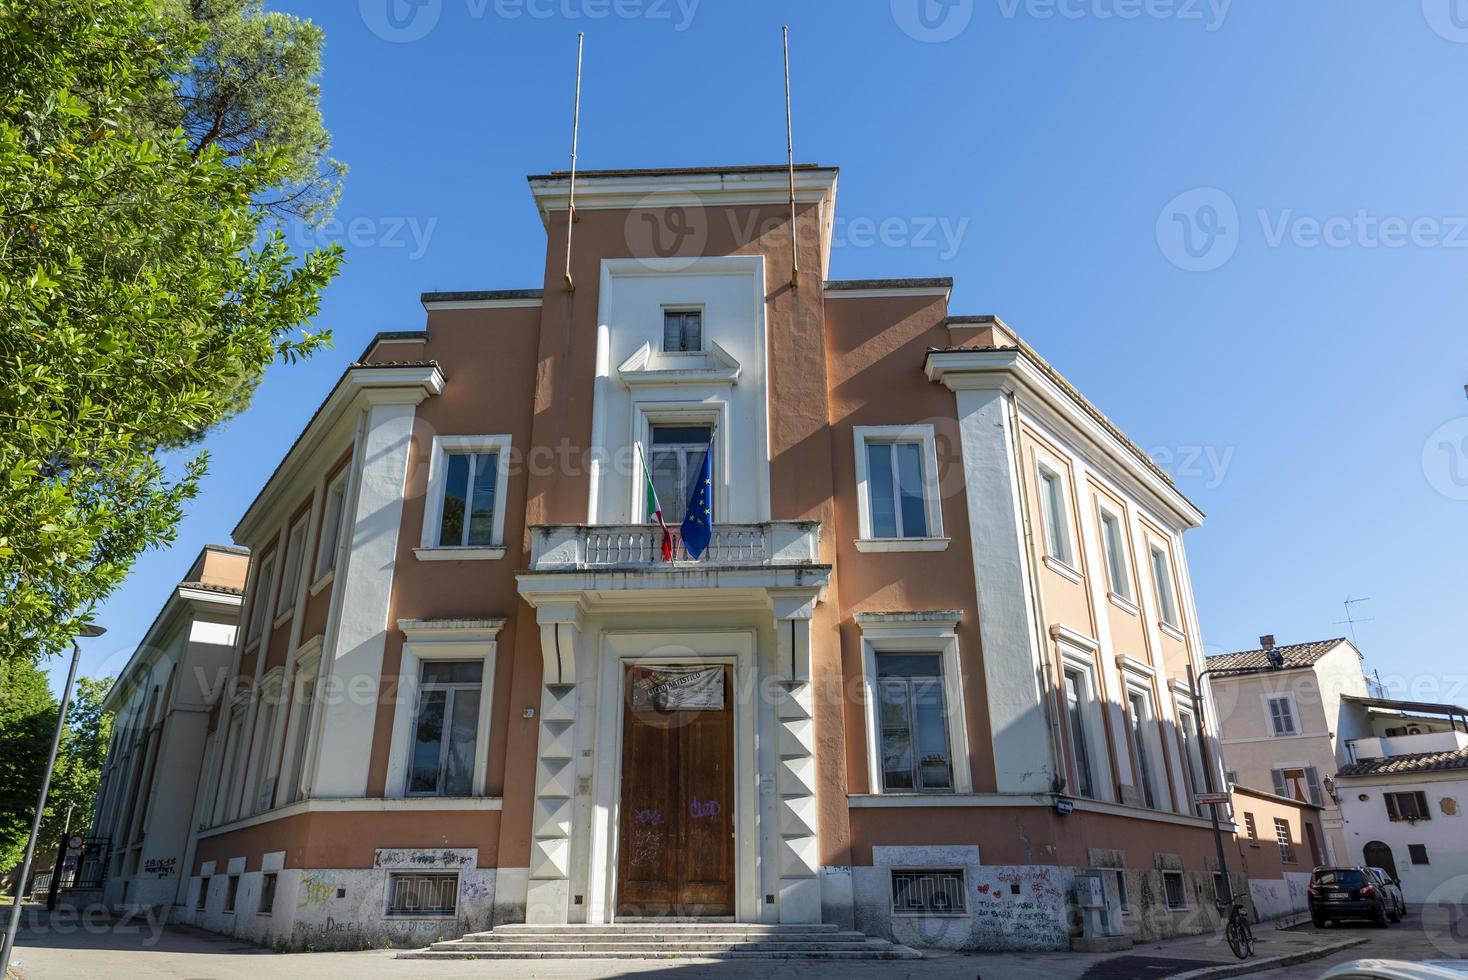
(51, 949)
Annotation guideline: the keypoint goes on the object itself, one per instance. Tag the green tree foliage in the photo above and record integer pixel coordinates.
(140, 299)
(27, 722)
(79, 762)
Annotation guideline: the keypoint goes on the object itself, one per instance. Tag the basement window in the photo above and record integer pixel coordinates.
(937, 892)
(1172, 886)
(231, 891)
(267, 894)
(203, 894)
(418, 894)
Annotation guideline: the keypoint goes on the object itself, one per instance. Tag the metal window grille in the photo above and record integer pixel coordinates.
(422, 894)
(1286, 842)
(1172, 885)
(1249, 825)
(928, 892)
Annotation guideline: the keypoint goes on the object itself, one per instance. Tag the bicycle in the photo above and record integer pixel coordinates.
(1240, 936)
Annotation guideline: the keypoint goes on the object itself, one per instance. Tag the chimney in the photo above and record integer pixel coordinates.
(1267, 641)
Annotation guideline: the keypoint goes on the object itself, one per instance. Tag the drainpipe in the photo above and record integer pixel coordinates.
(1037, 607)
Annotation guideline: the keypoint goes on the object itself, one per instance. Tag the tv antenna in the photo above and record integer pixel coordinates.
(1351, 620)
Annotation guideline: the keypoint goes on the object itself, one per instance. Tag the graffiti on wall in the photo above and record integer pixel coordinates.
(425, 858)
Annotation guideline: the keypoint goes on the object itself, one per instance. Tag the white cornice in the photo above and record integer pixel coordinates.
(888, 292)
(522, 303)
(333, 423)
(1014, 371)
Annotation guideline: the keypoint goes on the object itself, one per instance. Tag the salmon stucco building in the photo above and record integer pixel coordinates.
(924, 680)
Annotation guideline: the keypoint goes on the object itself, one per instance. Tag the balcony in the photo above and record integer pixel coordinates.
(564, 547)
(1389, 747)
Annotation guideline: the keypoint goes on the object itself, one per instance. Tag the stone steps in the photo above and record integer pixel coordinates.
(708, 940)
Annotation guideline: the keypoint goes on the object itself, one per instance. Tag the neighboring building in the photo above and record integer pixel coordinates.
(160, 705)
(1279, 845)
(1403, 792)
(1280, 727)
(930, 669)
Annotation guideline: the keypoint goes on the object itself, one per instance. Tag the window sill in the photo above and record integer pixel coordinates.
(1123, 603)
(1172, 631)
(460, 554)
(283, 617)
(901, 544)
(326, 579)
(1062, 569)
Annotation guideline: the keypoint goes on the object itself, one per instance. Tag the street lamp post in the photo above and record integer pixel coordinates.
(88, 629)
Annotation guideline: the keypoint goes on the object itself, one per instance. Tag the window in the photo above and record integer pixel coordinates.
(445, 728)
(1299, 783)
(1407, 806)
(1282, 714)
(1286, 842)
(1221, 892)
(1250, 827)
(224, 789)
(470, 486)
(295, 556)
(1057, 522)
(1121, 892)
(897, 486)
(928, 892)
(267, 894)
(1193, 753)
(422, 894)
(1162, 581)
(682, 331)
(333, 517)
(203, 898)
(1172, 887)
(231, 892)
(306, 694)
(1115, 546)
(1141, 718)
(261, 600)
(677, 458)
(915, 752)
(1077, 709)
(1418, 853)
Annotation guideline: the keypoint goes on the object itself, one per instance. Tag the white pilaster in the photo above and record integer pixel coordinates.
(547, 898)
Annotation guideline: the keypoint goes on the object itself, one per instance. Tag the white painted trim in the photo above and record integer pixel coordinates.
(471, 553)
(1063, 569)
(890, 292)
(916, 637)
(1048, 465)
(922, 434)
(1105, 510)
(517, 303)
(1172, 631)
(901, 544)
(323, 581)
(437, 480)
(1081, 656)
(210, 598)
(1124, 604)
(421, 645)
(1266, 697)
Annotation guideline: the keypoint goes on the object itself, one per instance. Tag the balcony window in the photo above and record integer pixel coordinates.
(915, 750)
(676, 460)
(446, 728)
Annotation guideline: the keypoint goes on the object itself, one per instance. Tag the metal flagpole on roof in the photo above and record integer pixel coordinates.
(790, 155)
(575, 135)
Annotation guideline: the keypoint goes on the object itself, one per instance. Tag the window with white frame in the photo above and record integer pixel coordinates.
(916, 756)
(1193, 754)
(295, 557)
(1079, 706)
(676, 457)
(1056, 515)
(1113, 541)
(445, 728)
(300, 727)
(897, 477)
(260, 787)
(260, 601)
(333, 517)
(466, 489)
(1281, 711)
(1145, 744)
(1162, 582)
(682, 331)
(224, 789)
(916, 740)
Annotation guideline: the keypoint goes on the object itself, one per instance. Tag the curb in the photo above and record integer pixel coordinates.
(1268, 963)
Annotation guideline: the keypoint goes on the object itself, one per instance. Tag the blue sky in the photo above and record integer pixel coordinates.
(1240, 227)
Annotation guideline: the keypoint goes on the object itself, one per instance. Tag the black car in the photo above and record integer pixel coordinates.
(1347, 893)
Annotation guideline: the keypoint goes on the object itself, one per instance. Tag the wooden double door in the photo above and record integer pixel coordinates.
(676, 850)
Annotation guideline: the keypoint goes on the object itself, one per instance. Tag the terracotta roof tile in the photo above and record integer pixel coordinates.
(211, 587)
(1401, 764)
(1295, 655)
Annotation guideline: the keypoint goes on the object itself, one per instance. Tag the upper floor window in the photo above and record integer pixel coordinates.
(264, 581)
(1281, 709)
(914, 720)
(333, 517)
(1056, 517)
(1145, 745)
(466, 487)
(1162, 581)
(1298, 783)
(295, 557)
(896, 472)
(1113, 541)
(1193, 756)
(682, 331)
(1407, 806)
(676, 459)
(1079, 705)
(446, 728)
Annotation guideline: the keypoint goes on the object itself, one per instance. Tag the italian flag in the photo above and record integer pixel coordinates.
(654, 507)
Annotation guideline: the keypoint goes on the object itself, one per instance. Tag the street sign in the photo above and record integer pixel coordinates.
(74, 842)
(1217, 798)
(1063, 805)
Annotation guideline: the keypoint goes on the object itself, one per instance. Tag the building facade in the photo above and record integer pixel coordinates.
(1281, 728)
(161, 704)
(928, 670)
(1279, 843)
(1402, 792)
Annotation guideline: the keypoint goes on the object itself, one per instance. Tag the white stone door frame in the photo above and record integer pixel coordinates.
(619, 650)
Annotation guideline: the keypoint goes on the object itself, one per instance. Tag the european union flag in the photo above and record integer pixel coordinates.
(698, 526)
